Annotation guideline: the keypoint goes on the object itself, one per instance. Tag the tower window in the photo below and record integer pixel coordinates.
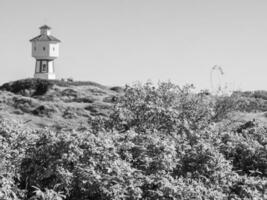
(34, 48)
(44, 48)
(44, 68)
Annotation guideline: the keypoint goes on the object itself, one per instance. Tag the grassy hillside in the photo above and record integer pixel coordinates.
(55, 104)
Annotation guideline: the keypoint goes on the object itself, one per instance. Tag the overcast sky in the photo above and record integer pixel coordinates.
(115, 42)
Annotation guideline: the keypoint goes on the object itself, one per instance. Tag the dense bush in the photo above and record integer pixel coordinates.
(247, 151)
(259, 94)
(160, 142)
(32, 87)
(223, 105)
(28, 87)
(167, 108)
(251, 101)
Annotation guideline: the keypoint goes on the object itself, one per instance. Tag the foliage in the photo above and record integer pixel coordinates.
(37, 87)
(13, 144)
(160, 142)
(258, 94)
(251, 101)
(223, 105)
(247, 151)
(48, 194)
(167, 108)
(28, 87)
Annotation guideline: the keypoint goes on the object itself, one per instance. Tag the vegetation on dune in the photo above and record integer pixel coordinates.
(35, 87)
(28, 87)
(156, 142)
(62, 103)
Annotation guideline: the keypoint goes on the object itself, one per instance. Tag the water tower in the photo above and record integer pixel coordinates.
(45, 49)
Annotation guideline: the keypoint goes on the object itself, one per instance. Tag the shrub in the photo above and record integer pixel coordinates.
(223, 106)
(48, 194)
(24, 104)
(117, 89)
(43, 110)
(13, 143)
(30, 87)
(247, 151)
(166, 108)
(99, 109)
(251, 101)
(159, 143)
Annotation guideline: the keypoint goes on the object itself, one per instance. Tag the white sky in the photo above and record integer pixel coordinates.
(115, 42)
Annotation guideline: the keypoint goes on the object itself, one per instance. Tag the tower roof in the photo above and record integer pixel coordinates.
(45, 27)
(45, 38)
